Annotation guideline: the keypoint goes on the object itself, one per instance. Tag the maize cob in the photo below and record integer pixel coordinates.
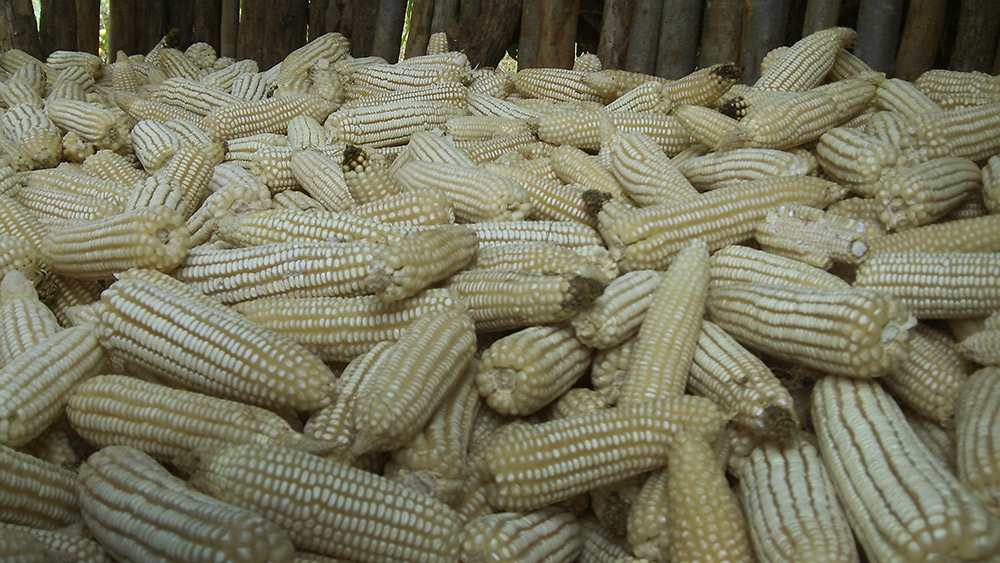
(294, 200)
(706, 126)
(476, 195)
(24, 320)
(220, 203)
(36, 493)
(742, 384)
(14, 156)
(55, 206)
(93, 123)
(562, 233)
(532, 465)
(976, 423)
(616, 315)
(366, 176)
(152, 237)
(139, 511)
(806, 523)
(71, 179)
(896, 94)
(389, 124)
(425, 207)
(555, 84)
(194, 96)
(265, 116)
(582, 129)
(548, 534)
(406, 266)
(330, 47)
(338, 329)
(225, 76)
(410, 380)
(489, 81)
(158, 327)
(17, 92)
(954, 89)
(484, 104)
(174, 63)
(273, 164)
(969, 132)
(863, 209)
(664, 350)
(550, 200)
(577, 401)
(981, 347)
(322, 177)
(171, 424)
(601, 545)
(735, 264)
(645, 173)
(306, 269)
(573, 165)
(646, 524)
(524, 371)
(109, 165)
(381, 78)
(812, 236)
(807, 62)
(17, 255)
(36, 132)
(253, 87)
(484, 127)
(37, 383)
(139, 109)
(503, 299)
(265, 226)
(611, 84)
(850, 332)
(936, 285)
(939, 441)
(445, 92)
(647, 238)
(852, 157)
(648, 96)
(612, 503)
(193, 136)
(57, 545)
(929, 379)
(242, 150)
(721, 169)
(62, 294)
(435, 146)
(14, 59)
(901, 502)
(703, 86)
(332, 508)
(920, 194)
(544, 258)
(203, 55)
(991, 184)
(304, 131)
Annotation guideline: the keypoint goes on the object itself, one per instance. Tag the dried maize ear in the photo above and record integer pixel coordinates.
(953, 89)
(550, 199)
(706, 126)
(13, 155)
(576, 401)
(737, 264)
(360, 516)
(524, 371)
(548, 534)
(562, 233)
(555, 84)
(242, 150)
(807, 62)
(582, 129)
(273, 164)
(101, 126)
(55, 206)
(36, 132)
(17, 255)
(614, 83)
(426, 207)
(322, 177)
(152, 237)
(533, 465)
(420, 259)
(193, 136)
(703, 86)
(109, 165)
(812, 236)
(480, 103)
(265, 116)
(649, 237)
(17, 92)
(544, 258)
(435, 146)
(445, 92)
(896, 94)
(725, 168)
(852, 157)
(920, 194)
(411, 379)
(982, 347)
(936, 284)
(36, 493)
(61, 294)
(900, 501)
(222, 202)
(329, 47)
(476, 194)
(806, 522)
(366, 175)
(57, 545)
(304, 131)
(140, 511)
(648, 96)
(970, 132)
(929, 379)
(742, 384)
(171, 424)
(573, 165)
(294, 200)
(252, 87)
(483, 127)
(174, 63)
(851, 332)
(197, 97)
(267, 226)
(976, 424)
(644, 171)
(69, 178)
(381, 78)
(504, 299)
(601, 545)
(182, 336)
(24, 319)
(665, 345)
(389, 124)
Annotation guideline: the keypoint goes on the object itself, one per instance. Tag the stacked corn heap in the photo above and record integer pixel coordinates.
(341, 309)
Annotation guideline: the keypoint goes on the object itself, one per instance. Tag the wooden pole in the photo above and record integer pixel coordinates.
(208, 23)
(363, 14)
(976, 39)
(445, 12)
(389, 29)
(229, 28)
(152, 26)
(421, 14)
(764, 25)
(557, 32)
(317, 18)
(644, 36)
(820, 14)
(680, 25)
(527, 43)
(878, 33)
(180, 16)
(922, 32)
(123, 28)
(57, 25)
(88, 25)
(721, 32)
(613, 43)
(485, 39)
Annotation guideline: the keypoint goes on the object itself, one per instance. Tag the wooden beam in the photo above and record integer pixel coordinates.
(123, 27)
(879, 23)
(820, 14)
(486, 39)
(229, 28)
(421, 14)
(269, 30)
(445, 13)
(680, 27)
(207, 23)
(764, 25)
(921, 38)
(527, 42)
(88, 25)
(57, 25)
(152, 26)
(721, 32)
(613, 43)
(976, 39)
(389, 29)
(557, 32)
(643, 36)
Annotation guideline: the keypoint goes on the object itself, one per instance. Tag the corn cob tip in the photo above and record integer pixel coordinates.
(582, 291)
(353, 156)
(728, 71)
(594, 200)
(734, 107)
(780, 423)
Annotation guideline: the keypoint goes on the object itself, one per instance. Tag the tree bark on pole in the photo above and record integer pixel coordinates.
(57, 26)
(123, 28)
(921, 38)
(317, 18)
(721, 32)
(878, 33)
(339, 17)
(486, 38)
(527, 42)
(643, 36)
(389, 29)
(764, 25)
(557, 33)
(152, 16)
(208, 23)
(421, 14)
(445, 13)
(269, 30)
(976, 40)
(229, 28)
(88, 25)
(363, 15)
(820, 14)
(180, 16)
(613, 43)
(680, 25)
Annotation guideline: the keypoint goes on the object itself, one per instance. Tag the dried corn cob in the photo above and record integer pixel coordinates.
(273, 164)
(647, 238)
(550, 200)
(936, 284)
(407, 266)
(852, 157)
(180, 335)
(360, 516)
(563, 233)
(197, 97)
(93, 123)
(555, 84)
(807, 62)
(549, 534)
(812, 236)
(706, 126)
(577, 401)
(976, 423)
(703, 86)
(533, 465)
(174, 63)
(424, 206)
(434, 146)
(742, 384)
(573, 165)
(647, 96)
(54, 206)
(338, 329)
(804, 523)
(322, 177)
(17, 92)
(152, 237)
(36, 132)
(13, 155)
(485, 104)
(62, 294)
(901, 502)
(139, 511)
(582, 129)
(220, 203)
(616, 315)
(264, 226)
(69, 178)
(524, 371)
(366, 176)
(613, 83)
(969, 132)
(330, 47)
(446, 92)
(381, 78)
(304, 131)
(721, 169)
(983, 346)
(37, 383)
(476, 195)
(252, 87)
(411, 379)
(502, 299)
(645, 172)
(36, 493)
(110, 165)
(954, 89)
(735, 264)
(59, 545)
(17, 255)
(929, 379)
(24, 320)
(896, 94)
(483, 127)
(850, 332)
(265, 116)
(545, 258)
(389, 124)
(664, 349)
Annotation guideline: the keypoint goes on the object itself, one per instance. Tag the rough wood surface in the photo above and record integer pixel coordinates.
(764, 26)
(645, 30)
(281, 22)
(976, 36)
(721, 32)
(124, 27)
(485, 39)
(557, 32)
(88, 25)
(421, 14)
(921, 38)
(207, 22)
(613, 43)
(388, 29)
(680, 26)
(820, 14)
(878, 33)
(57, 25)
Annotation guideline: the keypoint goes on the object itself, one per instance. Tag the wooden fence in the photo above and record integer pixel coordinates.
(664, 37)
